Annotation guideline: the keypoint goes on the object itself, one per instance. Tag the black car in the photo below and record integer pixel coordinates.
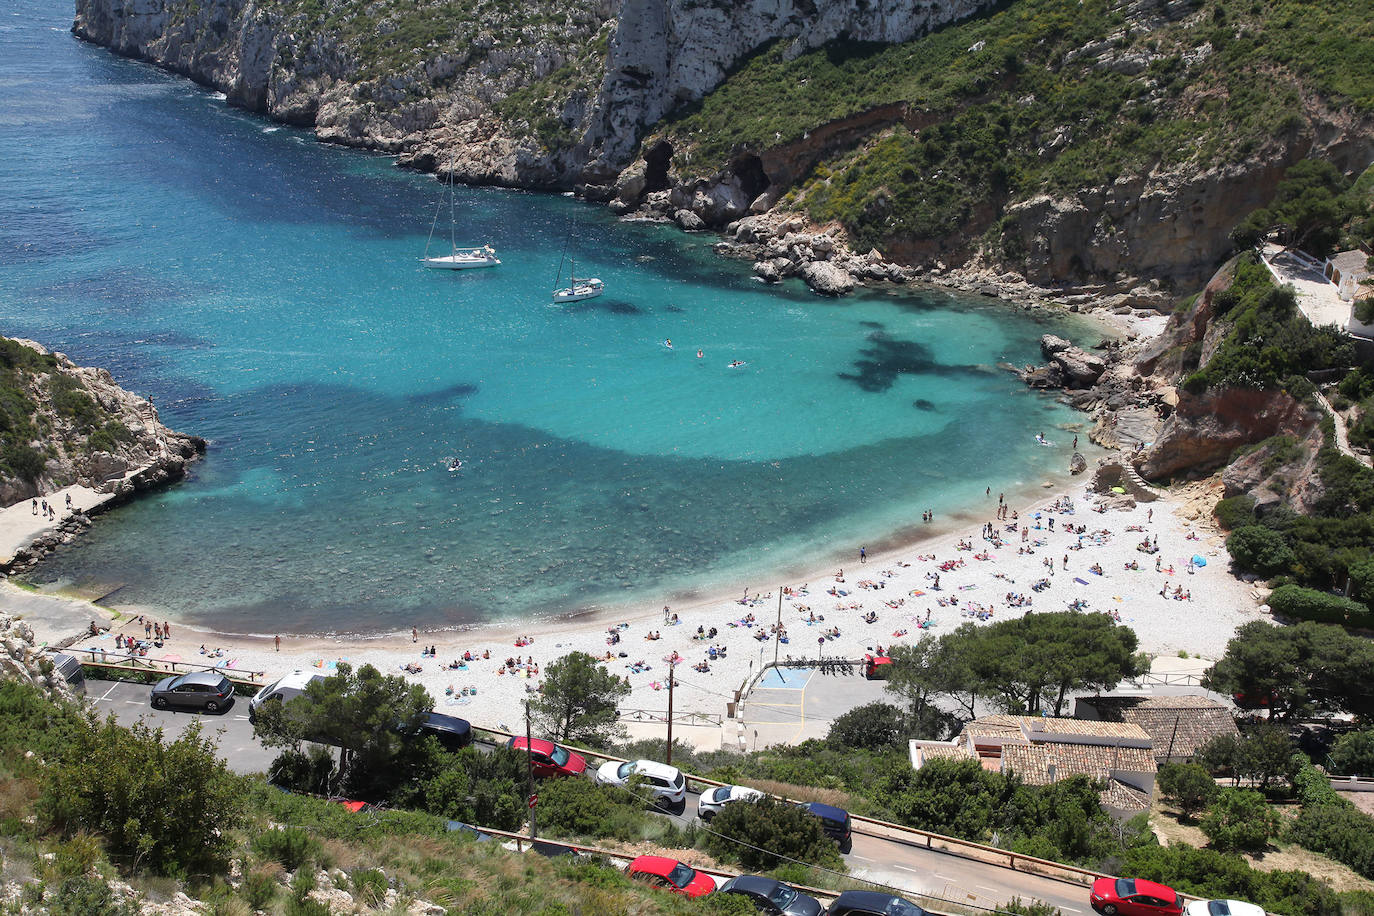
(207, 690)
(872, 903)
(834, 821)
(769, 896)
(453, 733)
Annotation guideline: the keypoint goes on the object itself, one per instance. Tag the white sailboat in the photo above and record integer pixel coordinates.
(576, 290)
(457, 258)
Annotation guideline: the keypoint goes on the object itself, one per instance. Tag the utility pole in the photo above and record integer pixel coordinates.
(529, 772)
(668, 756)
(777, 634)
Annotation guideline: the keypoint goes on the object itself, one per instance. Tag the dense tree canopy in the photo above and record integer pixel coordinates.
(1026, 665)
(1353, 754)
(1297, 670)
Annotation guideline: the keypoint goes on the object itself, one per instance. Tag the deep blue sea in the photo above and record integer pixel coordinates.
(265, 290)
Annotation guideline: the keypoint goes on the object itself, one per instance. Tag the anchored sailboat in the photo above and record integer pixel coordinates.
(457, 258)
(576, 290)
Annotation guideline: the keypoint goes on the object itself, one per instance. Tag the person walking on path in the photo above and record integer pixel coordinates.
(863, 554)
(277, 640)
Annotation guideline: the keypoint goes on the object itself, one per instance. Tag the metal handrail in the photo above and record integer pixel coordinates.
(139, 664)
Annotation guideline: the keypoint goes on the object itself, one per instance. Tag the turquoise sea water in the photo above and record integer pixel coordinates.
(265, 290)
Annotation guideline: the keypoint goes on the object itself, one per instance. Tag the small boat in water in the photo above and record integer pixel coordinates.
(577, 290)
(457, 258)
(464, 258)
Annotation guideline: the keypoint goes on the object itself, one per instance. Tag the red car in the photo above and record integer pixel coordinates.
(672, 874)
(1134, 897)
(549, 758)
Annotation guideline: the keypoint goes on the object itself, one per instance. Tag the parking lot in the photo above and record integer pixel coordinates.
(228, 729)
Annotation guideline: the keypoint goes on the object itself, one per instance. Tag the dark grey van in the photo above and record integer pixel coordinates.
(69, 668)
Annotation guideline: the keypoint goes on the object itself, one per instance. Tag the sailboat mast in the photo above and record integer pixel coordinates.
(452, 217)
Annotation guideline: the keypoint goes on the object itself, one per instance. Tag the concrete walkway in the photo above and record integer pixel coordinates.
(1317, 296)
(21, 524)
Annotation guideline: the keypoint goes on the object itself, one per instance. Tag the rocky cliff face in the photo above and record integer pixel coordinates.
(564, 95)
(94, 433)
(666, 53)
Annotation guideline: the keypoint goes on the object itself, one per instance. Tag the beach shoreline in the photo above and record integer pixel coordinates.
(489, 693)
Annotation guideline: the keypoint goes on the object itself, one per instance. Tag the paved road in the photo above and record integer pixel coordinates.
(912, 869)
(229, 729)
(947, 878)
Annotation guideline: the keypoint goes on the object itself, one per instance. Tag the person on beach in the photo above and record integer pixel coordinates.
(863, 554)
(166, 629)
(414, 635)
(35, 507)
(277, 640)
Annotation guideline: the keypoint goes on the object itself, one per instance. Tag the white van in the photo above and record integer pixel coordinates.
(281, 690)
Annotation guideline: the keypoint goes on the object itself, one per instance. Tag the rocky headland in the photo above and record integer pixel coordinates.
(73, 427)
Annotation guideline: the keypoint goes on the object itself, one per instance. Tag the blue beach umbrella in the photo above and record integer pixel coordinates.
(1199, 561)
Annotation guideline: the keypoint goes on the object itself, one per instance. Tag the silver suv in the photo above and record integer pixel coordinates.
(207, 690)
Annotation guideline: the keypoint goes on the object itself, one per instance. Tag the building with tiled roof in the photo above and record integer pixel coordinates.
(1179, 726)
(1040, 750)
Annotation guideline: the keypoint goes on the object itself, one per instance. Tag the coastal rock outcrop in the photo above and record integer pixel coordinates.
(1069, 366)
(1205, 429)
(97, 434)
(21, 661)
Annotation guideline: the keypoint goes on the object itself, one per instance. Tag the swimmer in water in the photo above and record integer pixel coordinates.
(699, 353)
(455, 465)
(668, 343)
(736, 364)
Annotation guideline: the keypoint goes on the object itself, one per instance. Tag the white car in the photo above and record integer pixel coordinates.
(713, 800)
(665, 782)
(1222, 908)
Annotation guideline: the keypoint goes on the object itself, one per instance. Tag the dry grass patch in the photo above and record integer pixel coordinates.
(807, 793)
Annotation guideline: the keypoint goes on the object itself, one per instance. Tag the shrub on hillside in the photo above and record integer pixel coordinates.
(1187, 786)
(167, 807)
(875, 727)
(1259, 550)
(292, 847)
(1341, 832)
(1240, 819)
(1297, 603)
(581, 808)
(763, 834)
(1234, 512)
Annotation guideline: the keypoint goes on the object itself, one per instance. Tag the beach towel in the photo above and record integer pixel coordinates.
(916, 593)
(1080, 581)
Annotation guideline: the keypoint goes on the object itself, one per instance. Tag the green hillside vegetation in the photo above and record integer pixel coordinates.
(32, 395)
(1023, 114)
